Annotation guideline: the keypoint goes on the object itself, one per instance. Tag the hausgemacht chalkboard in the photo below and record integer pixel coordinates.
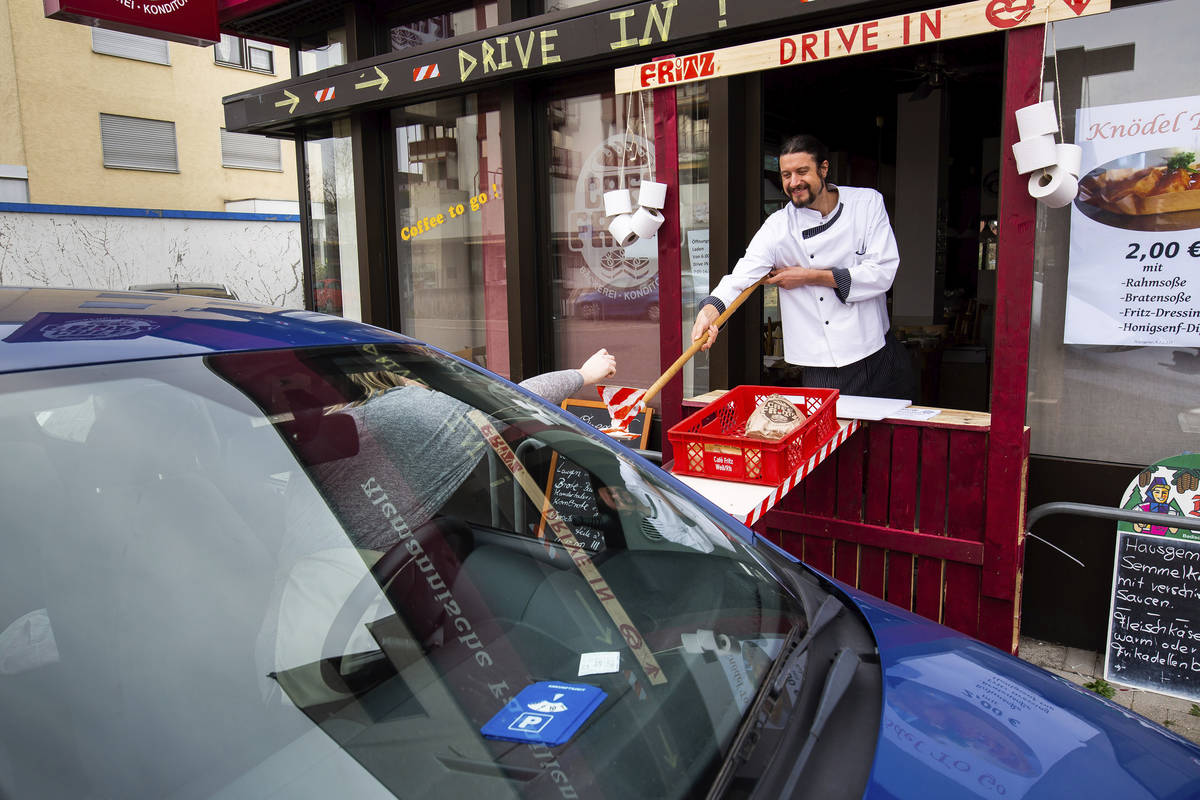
(1154, 618)
(569, 488)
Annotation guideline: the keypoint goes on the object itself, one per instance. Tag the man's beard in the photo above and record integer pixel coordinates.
(812, 196)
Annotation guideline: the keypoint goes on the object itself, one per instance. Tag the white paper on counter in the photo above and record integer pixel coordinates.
(917, 414)
(851, 406)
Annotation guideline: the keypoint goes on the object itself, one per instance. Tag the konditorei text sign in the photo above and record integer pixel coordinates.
(1154, 619)
(186, 21)
(1135, 226)
(949, 22)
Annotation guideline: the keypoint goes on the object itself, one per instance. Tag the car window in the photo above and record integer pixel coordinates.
(345, 561)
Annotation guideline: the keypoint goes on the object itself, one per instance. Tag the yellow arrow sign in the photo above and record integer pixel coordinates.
(381, 81)
(292, 101)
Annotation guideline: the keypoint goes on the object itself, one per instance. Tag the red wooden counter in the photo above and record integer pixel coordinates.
(899, 511)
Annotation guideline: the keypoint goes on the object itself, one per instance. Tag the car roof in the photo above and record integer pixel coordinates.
(186, 287)
(43, 328)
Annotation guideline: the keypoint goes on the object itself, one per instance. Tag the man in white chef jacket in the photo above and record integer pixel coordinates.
(832, 253)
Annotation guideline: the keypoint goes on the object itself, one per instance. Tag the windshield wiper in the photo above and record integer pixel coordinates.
(837, 681)
(772, 686)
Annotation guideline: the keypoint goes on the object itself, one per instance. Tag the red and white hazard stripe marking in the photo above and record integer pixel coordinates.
(426, 72)
(323, 94)
(808, 466)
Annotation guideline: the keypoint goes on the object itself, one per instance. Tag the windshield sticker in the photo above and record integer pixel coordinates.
(599, 663)
(547, 712)
(633, 637)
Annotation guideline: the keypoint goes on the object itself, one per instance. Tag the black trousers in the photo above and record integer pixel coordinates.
(888, 372)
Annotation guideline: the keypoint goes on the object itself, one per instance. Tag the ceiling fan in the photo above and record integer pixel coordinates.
(935, 73)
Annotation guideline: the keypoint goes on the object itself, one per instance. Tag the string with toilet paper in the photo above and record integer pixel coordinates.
(1054, 166)
(627, 225)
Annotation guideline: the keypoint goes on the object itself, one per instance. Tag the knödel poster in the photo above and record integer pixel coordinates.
(1134, 273)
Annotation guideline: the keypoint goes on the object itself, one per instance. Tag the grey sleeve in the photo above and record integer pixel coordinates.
(555, 386)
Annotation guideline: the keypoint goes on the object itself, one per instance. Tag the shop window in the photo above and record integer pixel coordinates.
(234, 51)
(691, 117)
(468, 19)
(449, 227)
(1115, 345)
(135, 143)
(603, 295)
(250, 151)
(329, 182)
(129, 45)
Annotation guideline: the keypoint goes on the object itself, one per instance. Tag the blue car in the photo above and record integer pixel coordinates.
(252, 552)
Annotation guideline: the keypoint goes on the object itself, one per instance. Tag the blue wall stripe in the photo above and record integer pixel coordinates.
(159, 213)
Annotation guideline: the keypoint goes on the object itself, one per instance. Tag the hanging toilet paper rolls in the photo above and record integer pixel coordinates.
(652, 194)
(1070, 156)
(622, 230)
(1037, 120)
(646, 222)
(1035, 153)
(616, 201)
(1053, 187)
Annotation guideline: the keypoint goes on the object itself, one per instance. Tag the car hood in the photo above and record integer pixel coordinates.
(961, 718)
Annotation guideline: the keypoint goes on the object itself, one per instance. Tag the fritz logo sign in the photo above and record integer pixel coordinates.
(949, 22)
(186, 21)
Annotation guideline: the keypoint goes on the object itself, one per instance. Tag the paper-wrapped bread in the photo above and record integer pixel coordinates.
(774, 418)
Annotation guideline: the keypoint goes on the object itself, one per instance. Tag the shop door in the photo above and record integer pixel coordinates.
(922, 126)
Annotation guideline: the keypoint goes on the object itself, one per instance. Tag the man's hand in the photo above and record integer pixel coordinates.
(706, 321)
(792, 277)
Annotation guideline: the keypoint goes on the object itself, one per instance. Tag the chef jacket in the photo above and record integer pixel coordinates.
(825, 327)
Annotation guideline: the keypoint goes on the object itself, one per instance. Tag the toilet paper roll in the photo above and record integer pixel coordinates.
(1035, 153)
(1070, 156)
(1037, 120)
(622, 230)
(646, 222)
(1053, 187)
(616, 201)
(652, 194)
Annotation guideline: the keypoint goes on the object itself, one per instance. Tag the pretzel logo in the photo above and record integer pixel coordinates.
(1008, 13)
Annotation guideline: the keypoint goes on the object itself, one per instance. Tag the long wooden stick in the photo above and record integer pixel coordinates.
(657, 386)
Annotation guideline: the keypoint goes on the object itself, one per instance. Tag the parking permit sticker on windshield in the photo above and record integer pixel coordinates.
(546, 713)
(600, 663)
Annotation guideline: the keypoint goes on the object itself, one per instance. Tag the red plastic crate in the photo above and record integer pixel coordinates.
(710, 444)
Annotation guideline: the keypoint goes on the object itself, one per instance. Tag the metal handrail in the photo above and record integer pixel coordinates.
(1103, 512)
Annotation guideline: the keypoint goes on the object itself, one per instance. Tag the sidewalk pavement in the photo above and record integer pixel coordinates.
(1084, 666)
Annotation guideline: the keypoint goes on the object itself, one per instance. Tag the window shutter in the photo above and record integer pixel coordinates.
(134, 143)
(250, 151)
(129, 45)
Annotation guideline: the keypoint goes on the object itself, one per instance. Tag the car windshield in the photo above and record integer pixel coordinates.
(329, 571)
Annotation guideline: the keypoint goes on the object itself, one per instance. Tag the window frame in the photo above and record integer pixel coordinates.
(244, 50)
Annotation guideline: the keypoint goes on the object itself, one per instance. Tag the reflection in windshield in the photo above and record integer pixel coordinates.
(360, 544)
(982, 731)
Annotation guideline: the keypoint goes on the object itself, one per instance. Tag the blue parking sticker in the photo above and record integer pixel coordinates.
(547, 712)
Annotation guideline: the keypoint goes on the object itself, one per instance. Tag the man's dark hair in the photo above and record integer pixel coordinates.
(804, 143)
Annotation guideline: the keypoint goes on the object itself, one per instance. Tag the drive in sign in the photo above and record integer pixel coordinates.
(949, 22)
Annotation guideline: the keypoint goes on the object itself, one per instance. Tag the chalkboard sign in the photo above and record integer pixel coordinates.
(595, 413)
(1154, 619)
(570, 489)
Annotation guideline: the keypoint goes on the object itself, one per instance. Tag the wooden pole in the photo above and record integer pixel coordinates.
(657, 386)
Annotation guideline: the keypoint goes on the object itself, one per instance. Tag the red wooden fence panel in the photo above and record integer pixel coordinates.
(899, 511)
